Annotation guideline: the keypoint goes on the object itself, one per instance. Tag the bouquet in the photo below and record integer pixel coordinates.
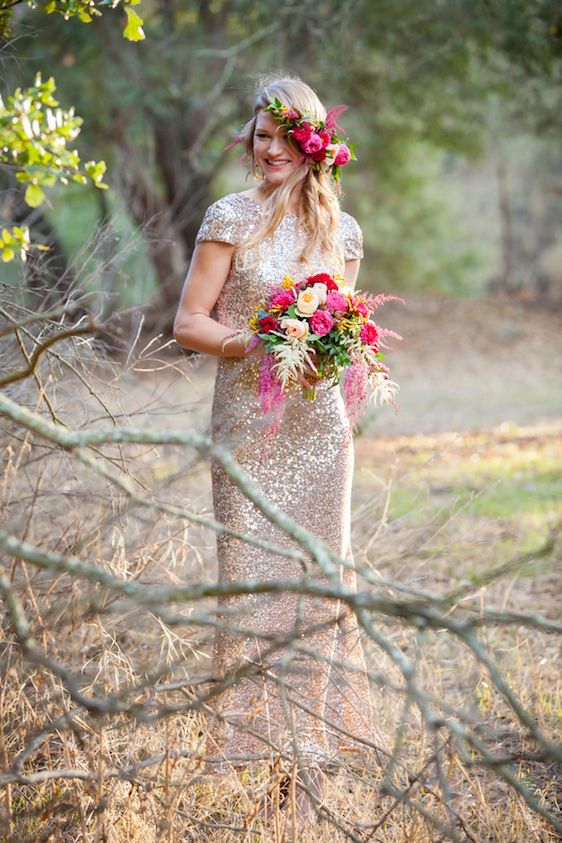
(319, 322)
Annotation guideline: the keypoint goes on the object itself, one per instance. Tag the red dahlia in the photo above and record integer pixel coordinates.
(268, 324)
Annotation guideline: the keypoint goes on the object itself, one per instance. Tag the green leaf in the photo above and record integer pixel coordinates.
(34, 196)
(96, 171)
(8, 254)
(133, 31)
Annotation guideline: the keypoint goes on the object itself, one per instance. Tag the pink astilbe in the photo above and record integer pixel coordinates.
(271, 393)
(380, 299)
(355, 387)
(333, 116)
(386, 332)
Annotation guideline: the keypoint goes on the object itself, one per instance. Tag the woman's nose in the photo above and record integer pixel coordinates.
(275, 144)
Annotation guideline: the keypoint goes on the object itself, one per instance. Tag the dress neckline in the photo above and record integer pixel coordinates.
(260, 204)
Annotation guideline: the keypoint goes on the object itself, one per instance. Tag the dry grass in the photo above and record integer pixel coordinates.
(435, 513)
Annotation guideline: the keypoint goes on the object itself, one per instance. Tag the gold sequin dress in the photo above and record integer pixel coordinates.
(304, 701)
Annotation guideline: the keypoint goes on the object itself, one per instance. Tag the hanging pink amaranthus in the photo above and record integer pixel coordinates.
(355, 387)
(271, 393)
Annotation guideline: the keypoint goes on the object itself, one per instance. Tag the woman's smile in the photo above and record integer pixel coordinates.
(276, 164)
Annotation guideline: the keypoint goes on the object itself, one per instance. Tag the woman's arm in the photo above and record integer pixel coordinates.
(351, 272)
(194, 327)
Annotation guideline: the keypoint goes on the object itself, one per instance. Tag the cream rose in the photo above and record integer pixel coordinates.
(307, 302)
(321, 291)
(295, 328)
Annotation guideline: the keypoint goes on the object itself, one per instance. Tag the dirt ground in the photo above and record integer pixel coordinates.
(467, 364)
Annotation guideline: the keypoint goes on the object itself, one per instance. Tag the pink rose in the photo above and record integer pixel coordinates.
(284, 299)
(312, 144)
(336, 301)
(369, 334)
(343, 155)
(321, 323)
(302, 133)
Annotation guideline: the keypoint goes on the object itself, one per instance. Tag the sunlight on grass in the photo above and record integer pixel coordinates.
(480, 475)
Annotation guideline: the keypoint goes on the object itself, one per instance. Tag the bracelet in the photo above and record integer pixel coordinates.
(228, 339)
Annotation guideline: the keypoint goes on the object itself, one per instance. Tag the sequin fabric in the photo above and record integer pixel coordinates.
(296, 700)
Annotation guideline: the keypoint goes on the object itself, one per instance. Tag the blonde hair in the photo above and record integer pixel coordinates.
(320, 209)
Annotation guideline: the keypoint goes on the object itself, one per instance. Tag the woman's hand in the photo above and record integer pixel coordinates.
(257, 351)
(309, 377)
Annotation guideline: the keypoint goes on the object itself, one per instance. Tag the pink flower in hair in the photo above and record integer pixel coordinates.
(319, 156)
(302, 133)
(333, 115)
(343, 155)
(312, 144)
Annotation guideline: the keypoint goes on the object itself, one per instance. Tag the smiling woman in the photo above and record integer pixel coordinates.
(307, 695)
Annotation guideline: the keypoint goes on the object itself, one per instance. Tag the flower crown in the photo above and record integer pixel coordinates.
(318, 140)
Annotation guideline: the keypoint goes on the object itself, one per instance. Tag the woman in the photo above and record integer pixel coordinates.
(290, 224)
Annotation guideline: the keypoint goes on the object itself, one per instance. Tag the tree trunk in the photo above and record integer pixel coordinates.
(507, 284)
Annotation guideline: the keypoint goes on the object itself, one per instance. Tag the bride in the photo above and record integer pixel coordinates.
(297, 686)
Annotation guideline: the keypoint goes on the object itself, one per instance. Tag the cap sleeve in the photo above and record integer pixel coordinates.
(352, 237)
(220, 222)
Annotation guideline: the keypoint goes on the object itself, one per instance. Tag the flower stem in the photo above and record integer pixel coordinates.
(309, 393)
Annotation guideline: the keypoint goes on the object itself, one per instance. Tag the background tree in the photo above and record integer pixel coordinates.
(431, 86)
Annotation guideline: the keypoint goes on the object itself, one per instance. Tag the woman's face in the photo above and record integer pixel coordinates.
(272, 150)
